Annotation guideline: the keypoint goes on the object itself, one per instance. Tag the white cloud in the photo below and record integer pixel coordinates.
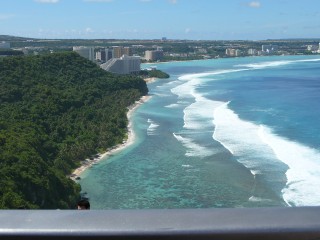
(254, 4)
(47, 1)
(187, 30)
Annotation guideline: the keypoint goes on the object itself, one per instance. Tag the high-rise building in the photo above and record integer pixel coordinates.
(101, 55)
(127, 51)
(123, 65)
(154, 55)
(86, 52)
(119, 51)
(109, 54)
(104, 55)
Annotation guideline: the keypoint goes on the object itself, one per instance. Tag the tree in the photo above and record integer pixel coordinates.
(56, 110)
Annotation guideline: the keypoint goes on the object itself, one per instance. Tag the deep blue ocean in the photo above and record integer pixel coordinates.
(237, 132)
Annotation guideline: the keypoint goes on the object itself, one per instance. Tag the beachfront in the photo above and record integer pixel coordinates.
(87, 163)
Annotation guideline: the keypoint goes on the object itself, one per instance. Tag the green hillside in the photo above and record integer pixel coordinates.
(56, 110)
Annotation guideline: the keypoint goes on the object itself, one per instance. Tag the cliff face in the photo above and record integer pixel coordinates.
(56, 110)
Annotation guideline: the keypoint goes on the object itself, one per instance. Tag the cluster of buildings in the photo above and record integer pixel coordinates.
(265, 50)
(117, 59)
(268, 49)
(104, 55)
(231, 52)
(313, 48)
(121, 60)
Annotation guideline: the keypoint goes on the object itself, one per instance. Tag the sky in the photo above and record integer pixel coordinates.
(154, 19)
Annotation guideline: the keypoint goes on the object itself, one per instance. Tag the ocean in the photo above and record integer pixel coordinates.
(235, 132)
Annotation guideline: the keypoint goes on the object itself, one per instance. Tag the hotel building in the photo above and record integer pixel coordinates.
(154, 55)
(104, 55)
(86, 52)
(120, 51)
(123, 65)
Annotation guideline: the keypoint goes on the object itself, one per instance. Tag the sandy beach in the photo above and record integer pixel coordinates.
(150, 80)
(87, 163)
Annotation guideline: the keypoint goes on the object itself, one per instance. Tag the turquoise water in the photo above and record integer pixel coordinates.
(239, 132)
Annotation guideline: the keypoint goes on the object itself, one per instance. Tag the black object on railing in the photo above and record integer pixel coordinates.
(301, 223)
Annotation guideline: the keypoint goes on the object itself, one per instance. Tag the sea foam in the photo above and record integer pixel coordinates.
(198, 115)
(241, 138)
(304, 169)
(194, 149)
(268, 64)
(152, 128)
(173, 105)
(238, 136)
(256, 147)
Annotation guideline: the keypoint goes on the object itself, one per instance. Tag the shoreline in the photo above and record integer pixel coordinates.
(150, 79)
(87, 163)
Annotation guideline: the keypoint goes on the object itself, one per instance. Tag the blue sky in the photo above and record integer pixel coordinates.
(154, 19)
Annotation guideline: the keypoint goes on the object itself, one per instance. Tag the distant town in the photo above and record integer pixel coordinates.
(126, 56)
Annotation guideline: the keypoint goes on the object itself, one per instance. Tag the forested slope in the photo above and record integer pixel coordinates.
(56, 110)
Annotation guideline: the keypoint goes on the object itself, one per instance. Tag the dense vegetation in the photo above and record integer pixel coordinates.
(154, 73)
(56, 110)
(9, 52)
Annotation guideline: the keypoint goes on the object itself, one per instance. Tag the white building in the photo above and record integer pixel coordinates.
(233, 52)
(123, 65)
(154, 55)
(269, 48)
(252, 51)
(312, 48)
(86, 52)
(4, 45)
(103, 55)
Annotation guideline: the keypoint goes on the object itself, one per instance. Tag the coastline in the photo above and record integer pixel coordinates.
(150, 80)
(87, 163)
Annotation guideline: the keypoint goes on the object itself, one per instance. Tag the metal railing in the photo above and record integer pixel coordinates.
(299, 223)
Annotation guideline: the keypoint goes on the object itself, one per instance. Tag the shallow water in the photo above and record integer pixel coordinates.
(239, 132)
